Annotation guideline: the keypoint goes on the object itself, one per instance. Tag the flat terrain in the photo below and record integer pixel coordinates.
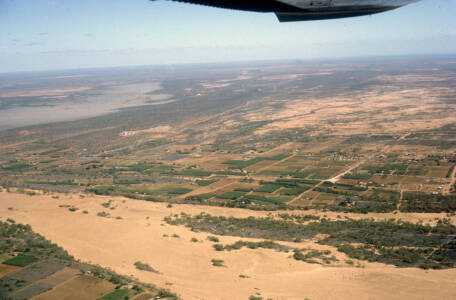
(117, 244)
(320, 146)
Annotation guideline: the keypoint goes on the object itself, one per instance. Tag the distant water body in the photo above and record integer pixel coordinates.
(81, 106)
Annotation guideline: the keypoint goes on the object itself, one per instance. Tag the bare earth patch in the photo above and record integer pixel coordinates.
(7, 269)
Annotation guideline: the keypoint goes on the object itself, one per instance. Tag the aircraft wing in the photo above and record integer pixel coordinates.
(305, 10)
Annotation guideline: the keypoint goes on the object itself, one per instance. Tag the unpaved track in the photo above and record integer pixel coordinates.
(334, 179)
(447, 188)
(119, 243)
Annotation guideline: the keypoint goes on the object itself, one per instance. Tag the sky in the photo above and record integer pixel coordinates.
(68, 34)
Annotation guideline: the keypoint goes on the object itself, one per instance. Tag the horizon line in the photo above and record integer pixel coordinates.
(333, 58)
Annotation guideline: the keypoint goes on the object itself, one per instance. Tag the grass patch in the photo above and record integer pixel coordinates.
(230, 173)
(21, 260)
(63, 182)
(241, 164)
(357, 176)
(116, 295)
(205, 182)
(268, 188)
(126, 181)
(293, 191)
(279, 156)
(244, 190)
(191, 172)
(178, 190)
(262, 199)
(159, 168)
(17, 166)
(231, 195)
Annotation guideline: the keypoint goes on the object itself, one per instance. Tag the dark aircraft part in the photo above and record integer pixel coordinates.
(307, 10)
(309, 15)
(247, 5)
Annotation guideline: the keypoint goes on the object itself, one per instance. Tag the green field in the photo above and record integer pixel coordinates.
(21, 260)
(120, 294)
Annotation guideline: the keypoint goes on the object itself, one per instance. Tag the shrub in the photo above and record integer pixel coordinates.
(145, 267)
(164, 293)
(217, 262)
(213, 238)
(219, 247)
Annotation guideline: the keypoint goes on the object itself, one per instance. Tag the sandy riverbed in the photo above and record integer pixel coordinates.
(138, 236)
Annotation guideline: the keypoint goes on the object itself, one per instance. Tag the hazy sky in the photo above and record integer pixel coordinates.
(62, 34)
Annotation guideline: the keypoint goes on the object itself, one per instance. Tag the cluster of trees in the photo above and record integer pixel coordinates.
(298, 218)
(425, 258)
(20, 238)
(311, 256)
(387, 241)
(422, 202)
(386, 169)
(251, 245)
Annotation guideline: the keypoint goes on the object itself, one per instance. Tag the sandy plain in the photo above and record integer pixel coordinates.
(185, 267)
